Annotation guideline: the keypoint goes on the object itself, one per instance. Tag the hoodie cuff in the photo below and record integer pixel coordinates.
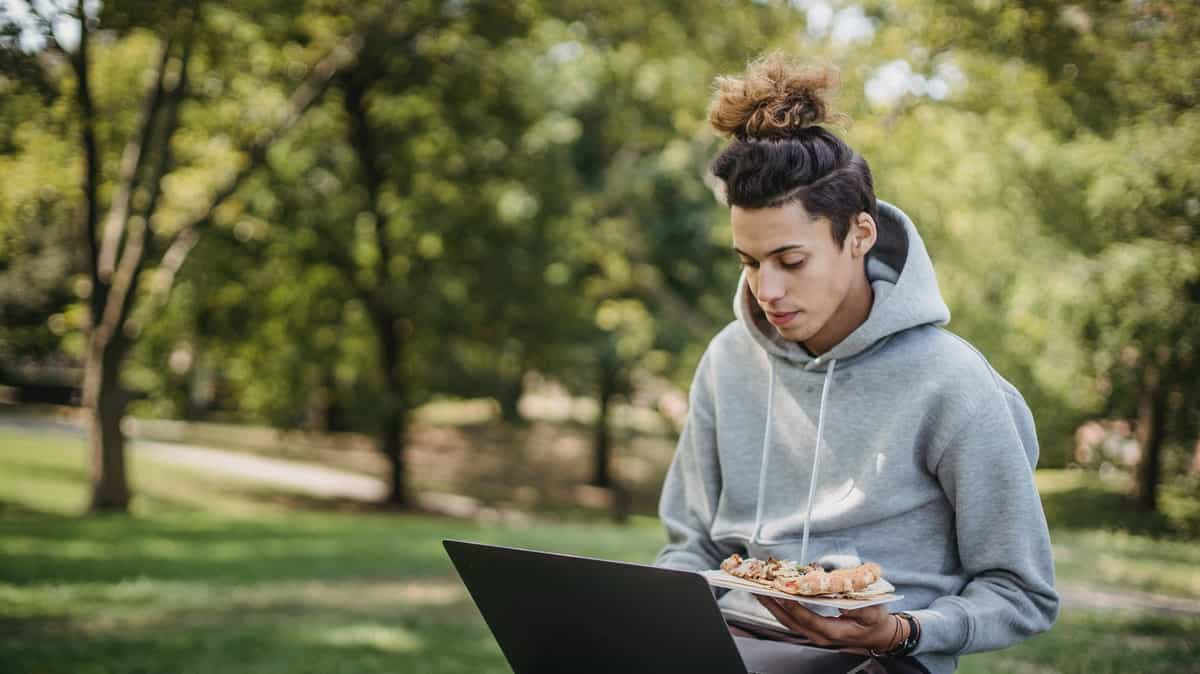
(945, 629)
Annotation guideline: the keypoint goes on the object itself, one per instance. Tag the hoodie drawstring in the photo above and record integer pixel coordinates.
(812, 481)
(766, 454)
(766, 449)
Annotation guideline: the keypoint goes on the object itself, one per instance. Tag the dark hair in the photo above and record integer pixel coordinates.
(780, 153)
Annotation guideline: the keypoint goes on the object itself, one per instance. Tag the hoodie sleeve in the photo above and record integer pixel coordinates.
(986, 472)
(693, 484)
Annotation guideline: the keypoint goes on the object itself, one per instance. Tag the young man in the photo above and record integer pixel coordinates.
(835, 416)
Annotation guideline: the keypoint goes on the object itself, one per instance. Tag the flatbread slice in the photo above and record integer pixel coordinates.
(810, 581)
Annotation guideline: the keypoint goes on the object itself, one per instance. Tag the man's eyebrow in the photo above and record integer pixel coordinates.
(781, 249)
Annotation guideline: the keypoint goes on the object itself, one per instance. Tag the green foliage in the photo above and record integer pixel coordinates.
(38, 281)
(537, 201)
(538, 207)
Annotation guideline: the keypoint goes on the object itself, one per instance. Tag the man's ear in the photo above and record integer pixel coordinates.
(862, 235)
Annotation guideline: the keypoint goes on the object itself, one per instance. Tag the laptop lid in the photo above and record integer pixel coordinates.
(554, 613)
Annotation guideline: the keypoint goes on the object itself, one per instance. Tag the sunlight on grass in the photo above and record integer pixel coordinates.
(42, 475)
(1149, 576)
(366, 635)
(143, 599)
(1054, 481)
(48, 472)
(1140, 567)
(1082, 499)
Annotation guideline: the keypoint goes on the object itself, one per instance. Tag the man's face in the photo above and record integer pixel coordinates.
(798, 274)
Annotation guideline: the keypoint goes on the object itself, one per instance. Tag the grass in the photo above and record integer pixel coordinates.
(1100, 538)
(211, 576)
(301, 593)
(1100, 643)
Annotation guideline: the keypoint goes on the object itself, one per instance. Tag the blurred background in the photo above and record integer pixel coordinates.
(290, 291)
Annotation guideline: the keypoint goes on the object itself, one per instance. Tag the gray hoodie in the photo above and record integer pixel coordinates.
(925, 461)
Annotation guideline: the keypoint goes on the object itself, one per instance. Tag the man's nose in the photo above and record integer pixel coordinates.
(771, 286)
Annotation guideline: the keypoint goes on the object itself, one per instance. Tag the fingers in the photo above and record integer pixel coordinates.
(785, 617)
(868, 616)
(821, 630)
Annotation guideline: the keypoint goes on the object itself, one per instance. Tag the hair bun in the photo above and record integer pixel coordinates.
(776, 97)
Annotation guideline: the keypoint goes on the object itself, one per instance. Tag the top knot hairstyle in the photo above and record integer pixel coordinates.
(781, 152)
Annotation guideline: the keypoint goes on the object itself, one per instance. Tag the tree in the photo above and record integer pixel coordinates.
(389, 195)
(137, 229)
(497, 165)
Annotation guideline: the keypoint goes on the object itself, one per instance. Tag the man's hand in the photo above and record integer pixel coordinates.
(871, 627)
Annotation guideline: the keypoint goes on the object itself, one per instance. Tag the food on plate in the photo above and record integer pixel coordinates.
(808, 580)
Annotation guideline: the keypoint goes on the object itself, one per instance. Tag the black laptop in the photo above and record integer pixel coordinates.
(561, 614)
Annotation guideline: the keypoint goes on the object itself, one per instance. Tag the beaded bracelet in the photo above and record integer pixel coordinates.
(909, 644)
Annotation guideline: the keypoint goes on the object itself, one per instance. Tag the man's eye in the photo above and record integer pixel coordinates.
(749, 263)
(793, 264)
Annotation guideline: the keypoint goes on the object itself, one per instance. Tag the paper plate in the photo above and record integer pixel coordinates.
(719, 578)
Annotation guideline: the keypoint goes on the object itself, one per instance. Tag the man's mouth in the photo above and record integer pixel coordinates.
(781, 318)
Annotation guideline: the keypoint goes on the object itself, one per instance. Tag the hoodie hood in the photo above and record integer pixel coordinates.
(906, 296)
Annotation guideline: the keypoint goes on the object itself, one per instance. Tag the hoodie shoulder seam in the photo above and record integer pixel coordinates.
(995, 376)
(972, 403)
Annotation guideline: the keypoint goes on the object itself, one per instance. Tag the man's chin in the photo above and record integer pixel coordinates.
(791, 333)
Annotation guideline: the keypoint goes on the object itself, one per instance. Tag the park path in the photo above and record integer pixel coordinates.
(301, 477)
(308, 478)
(326, 482)
(1079, 595)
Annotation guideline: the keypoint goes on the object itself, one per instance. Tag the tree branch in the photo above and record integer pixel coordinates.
(131, 164)
(173, 259)
(171, 122)
(89, 214)
(308, 93)
(124, 280)
(354, 102)
(140, 235)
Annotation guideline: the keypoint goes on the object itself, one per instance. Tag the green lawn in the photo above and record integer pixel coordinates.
(209, 576)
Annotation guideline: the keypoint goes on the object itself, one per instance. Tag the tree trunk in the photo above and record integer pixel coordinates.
(510, 399)
(394, 418)
(602, 447)
(1151, 425)
(394, 421)
(1195, 467)
(105, 401)
(392, 443)
(319, 409)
